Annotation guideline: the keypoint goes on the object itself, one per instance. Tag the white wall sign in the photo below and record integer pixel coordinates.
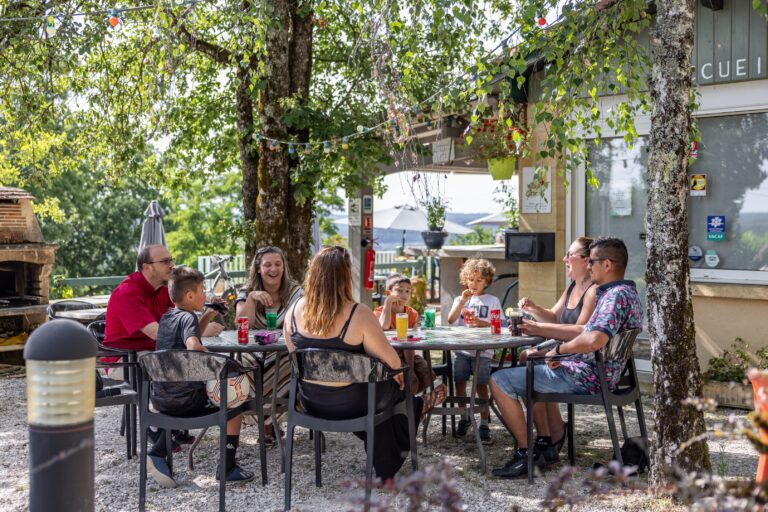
(620, 198)
(537, 190)
(355, 211)
(711, 259)
(442, 151)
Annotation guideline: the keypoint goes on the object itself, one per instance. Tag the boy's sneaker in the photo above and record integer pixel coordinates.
(160, 472)
(485, 434)
(518, 466)
(463, 427)
(236, 475)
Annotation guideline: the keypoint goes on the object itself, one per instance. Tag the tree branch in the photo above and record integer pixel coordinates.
(215, 52)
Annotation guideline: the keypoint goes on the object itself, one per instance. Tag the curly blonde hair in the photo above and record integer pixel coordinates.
(480, 265)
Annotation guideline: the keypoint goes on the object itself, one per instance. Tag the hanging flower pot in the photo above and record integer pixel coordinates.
(434, 239)
(502, 168)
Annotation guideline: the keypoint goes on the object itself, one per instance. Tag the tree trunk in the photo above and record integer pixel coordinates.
(249, 155)
(280, 220)
(676, 374)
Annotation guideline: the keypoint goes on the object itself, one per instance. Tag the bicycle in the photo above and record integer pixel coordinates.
(229, 292)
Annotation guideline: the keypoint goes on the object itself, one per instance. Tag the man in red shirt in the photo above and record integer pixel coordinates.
(137, 304)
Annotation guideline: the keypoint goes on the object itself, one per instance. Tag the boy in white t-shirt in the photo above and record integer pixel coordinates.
(475, 274)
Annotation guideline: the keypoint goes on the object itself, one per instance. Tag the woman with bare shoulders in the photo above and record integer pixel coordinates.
(328, 317)
(563, 321)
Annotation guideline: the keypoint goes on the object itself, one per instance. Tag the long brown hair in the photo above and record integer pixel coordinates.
(255, 283)
(327, 289)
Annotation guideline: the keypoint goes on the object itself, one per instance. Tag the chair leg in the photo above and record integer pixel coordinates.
(169, 448)
(190, 459)
(623, 423)
(123, 422)
(127, 429)
(614, 434)
(531, 440)
(143, 469)
(288, 463)
(641, 420)
(369, 437)
(134, 418)
(222, 466)
(571, 437)
(318, 462)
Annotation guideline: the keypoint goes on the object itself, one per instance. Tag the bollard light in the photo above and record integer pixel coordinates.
(61, 394)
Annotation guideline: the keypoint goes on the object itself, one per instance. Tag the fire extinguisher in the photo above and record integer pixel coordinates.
(370, 260)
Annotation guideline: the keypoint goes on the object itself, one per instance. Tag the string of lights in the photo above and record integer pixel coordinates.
(115, 18)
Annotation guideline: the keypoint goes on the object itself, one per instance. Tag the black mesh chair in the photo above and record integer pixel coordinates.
(193, 366)
(118, 392)
(627, 391)
(341, 366)
(70, 305)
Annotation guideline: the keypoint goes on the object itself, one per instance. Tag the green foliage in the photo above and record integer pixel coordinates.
(480, 236)
(732, 366)
(435, 207)
(504, 197)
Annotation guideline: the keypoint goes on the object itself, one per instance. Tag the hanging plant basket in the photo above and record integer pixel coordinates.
(502, 168)
(434, 239)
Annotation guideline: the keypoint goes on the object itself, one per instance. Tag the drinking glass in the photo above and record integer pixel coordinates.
(401, 322)
(429, 318)
(271, 315)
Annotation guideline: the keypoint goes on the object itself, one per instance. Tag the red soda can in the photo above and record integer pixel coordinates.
(495, 321)
(242, 330)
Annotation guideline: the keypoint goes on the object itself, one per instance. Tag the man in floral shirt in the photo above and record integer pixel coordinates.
(618, 309)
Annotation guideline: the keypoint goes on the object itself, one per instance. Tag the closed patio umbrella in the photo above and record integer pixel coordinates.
(152, 231)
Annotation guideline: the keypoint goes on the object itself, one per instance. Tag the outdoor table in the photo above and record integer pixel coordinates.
(85, 316)
(463, 338)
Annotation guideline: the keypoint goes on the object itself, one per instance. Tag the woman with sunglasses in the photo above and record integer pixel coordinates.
(269, 287)
(328, 317)
(563, 321)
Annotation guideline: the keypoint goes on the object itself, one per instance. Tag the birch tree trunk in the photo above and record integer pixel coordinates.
(676, 374)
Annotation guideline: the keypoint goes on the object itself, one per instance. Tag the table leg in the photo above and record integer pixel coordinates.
(275, 426)
(425, 427)
(476, 430)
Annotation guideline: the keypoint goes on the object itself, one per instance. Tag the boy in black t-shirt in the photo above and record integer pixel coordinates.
(180, 329)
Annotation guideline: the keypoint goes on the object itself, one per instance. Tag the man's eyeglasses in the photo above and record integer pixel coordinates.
(592, 261)
(166, 261)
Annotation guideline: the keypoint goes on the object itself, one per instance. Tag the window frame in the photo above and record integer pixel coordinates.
(716, 101)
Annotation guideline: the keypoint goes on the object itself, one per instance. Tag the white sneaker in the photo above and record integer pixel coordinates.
(158, 469)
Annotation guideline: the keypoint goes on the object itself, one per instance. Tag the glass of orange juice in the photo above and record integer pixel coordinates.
(401, 323)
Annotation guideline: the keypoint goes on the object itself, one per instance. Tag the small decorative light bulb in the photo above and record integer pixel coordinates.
(50, 25)
(542, 21)
(291, 149)
(345, 143)
(114, 20)
(274, 145)
(307, 149)
(360, 128)
(327, 147)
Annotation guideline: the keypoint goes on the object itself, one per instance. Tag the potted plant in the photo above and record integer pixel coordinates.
(499, 141)
(725, 380)
(435, 237)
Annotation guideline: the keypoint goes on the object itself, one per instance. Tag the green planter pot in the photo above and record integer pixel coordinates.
(502, 168)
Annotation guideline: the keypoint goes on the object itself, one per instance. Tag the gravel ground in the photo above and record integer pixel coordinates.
(117, 478)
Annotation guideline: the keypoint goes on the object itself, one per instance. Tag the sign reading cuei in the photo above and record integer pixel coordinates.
(730, 44)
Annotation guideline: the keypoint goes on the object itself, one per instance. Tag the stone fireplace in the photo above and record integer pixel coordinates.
(25, 266)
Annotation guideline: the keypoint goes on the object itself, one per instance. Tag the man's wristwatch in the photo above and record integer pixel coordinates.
(557, 349)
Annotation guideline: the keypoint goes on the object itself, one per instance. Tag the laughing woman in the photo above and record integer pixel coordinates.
(269, 287)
